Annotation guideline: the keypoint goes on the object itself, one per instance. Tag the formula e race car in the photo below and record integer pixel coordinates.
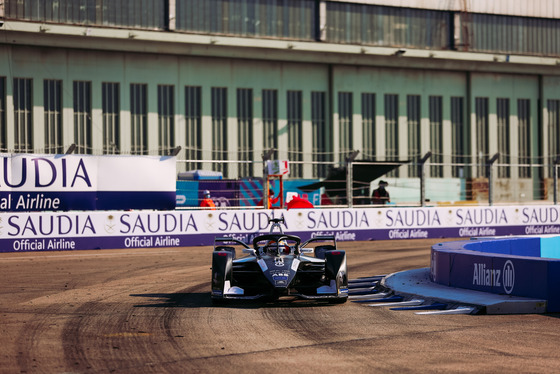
(279, 265)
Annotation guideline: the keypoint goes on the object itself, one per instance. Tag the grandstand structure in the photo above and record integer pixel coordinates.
(315, 80)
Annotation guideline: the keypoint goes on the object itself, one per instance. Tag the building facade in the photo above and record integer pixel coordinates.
(314, 80)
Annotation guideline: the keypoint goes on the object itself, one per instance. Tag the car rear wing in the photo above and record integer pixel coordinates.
(225, 239)
(322, 238)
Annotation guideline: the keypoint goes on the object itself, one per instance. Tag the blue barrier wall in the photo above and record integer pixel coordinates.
(526, 267)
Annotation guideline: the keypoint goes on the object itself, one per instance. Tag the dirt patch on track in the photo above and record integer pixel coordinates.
(149, 311)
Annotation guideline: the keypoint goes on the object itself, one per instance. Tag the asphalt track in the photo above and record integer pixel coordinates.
(149, 311)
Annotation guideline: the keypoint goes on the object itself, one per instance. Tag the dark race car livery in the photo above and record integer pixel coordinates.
(279, 265)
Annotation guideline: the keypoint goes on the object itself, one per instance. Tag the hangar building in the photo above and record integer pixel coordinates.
(314, 79)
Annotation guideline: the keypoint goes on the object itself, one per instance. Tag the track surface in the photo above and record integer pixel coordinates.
(149, 311)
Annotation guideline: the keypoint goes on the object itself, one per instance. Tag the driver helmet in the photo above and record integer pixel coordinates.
(283, 247)
(280, 247)
(206, 194)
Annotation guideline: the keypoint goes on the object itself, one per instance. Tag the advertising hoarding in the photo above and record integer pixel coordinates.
(33, 182)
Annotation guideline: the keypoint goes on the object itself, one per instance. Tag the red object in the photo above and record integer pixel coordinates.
(299, 203)
(208, 203)
(325, 200)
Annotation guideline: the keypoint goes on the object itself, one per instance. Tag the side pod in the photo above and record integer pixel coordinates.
(334, 260)
(222, 265)
(335, 267)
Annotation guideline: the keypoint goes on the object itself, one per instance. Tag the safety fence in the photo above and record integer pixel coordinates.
(415, 183)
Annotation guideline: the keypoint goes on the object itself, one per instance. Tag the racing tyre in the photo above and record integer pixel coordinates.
(339, 300)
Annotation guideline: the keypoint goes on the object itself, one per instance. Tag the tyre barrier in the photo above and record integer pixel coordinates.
(515, 266)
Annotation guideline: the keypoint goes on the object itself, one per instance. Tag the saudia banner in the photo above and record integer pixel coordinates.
(81, 182)
(135, 229)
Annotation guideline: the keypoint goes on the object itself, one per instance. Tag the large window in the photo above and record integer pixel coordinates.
(193, 119)
(503, 137)
(111, 117)
(290, 19)
(245, 131)
(345, 112)
(295, 133)
(139, 119)
(320, 133)
(459, 158)
(23, 107)
(392, 130)
(219, 128)
(368, 125)
(524, 134)
(166, 119)
(481, 112)
(553, 108)
(149, 14)
(382, 25)
(414, 133)
(270, 121)
(436, 135)
(82, 117)
(510, 35)
(3, 139)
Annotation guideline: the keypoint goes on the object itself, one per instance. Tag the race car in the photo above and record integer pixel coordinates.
(279, 265)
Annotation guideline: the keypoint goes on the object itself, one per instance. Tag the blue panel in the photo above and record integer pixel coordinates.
(471, 271)
(521, 277)
(439, 270)
(550, 247)
(496, 246)
(553, 285)
(526, 247)
(473, 246)
(187, 193)
(313, 197)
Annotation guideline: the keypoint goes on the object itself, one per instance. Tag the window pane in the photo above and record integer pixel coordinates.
(3, 125)
(436, 136)
(23, 107)
(270, 121)
(503, 138)
(481, 111)
(288, 19)
(414, 133)
(166, 119)
(111, 114)
(245, 131)
(524, 119)
(392, 131)
(219, 128)
(368, 125)
(82, 117)
(345, 112)
(553, 107)
(295, 133)
(460, 168)
(139, 118)
(320, 134)
(193, 118)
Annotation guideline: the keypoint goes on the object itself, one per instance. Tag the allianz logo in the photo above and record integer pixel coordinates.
(490, 277)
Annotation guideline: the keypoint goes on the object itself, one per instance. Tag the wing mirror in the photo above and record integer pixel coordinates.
(250, 251)
(306, 250)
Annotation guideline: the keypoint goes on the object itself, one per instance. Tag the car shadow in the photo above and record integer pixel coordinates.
(203, 300)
